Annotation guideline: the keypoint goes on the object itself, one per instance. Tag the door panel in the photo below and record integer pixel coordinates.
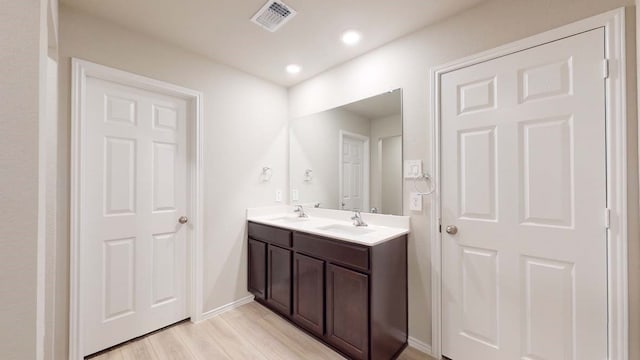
(478, 187)
(164, 266)
(353, 185)
(308, 293)
(348, 311)
(479, 295)
(545, 80)
(279, 278)
(477, 95)
(164, 159)
(120, 176)
(258, 268)
(548, 288)
(546, 176)
(119, 292)
(524, 181)
(134, 188)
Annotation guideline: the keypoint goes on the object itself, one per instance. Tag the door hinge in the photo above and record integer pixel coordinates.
(607, 218)
(605, 68)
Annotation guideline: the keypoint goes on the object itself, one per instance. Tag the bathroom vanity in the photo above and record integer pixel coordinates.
(345, 285)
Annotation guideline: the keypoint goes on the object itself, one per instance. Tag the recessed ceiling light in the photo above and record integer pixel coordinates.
(293, 68)
(351, 37)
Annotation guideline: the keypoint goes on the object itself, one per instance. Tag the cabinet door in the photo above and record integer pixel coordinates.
(257, 281)
(308, 293)
(279, 279)
(348, 311)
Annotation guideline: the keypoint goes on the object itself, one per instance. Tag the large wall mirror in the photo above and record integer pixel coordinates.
(350, 157)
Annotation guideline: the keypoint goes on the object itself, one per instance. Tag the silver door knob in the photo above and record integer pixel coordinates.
(452, 229)
(183, 219)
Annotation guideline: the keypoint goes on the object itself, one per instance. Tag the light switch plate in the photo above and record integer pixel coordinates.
(412, 169)
(415, 201)
(295, 196)
(278, 195)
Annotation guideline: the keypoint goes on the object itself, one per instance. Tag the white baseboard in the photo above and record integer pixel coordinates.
(419, 345)
(224, 308)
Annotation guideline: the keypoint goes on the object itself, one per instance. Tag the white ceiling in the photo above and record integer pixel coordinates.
(377, 107)
(221, 30)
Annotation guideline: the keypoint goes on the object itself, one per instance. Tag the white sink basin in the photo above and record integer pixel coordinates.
(289, 219)
(346, 229)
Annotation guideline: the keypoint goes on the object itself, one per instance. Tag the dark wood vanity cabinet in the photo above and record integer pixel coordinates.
(257, 281)
(348, 311)
(308, 293)
(350, 296)
(279, 278)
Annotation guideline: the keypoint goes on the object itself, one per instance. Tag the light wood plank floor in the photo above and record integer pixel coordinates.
(247, 332)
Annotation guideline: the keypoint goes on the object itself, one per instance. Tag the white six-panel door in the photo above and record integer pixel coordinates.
(524, 182)
(353, 163)
(133, 259)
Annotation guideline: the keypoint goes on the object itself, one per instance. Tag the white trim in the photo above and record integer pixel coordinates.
(365, 171)
(419, 345)
(378, 175)
(41, 228)
(80, 71)
(224, 308)
(616, 123)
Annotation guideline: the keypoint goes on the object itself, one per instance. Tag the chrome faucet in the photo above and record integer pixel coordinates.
(300, 210)
(357, 219)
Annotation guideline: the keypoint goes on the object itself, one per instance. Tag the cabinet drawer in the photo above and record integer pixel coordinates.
(270, 234)
(347, 254)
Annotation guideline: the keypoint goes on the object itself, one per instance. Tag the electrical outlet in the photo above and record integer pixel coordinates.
(278, 195)
(295, 196)
(415, 202)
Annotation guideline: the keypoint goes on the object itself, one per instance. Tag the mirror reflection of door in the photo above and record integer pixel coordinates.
(354, 165)
(333, 171)
(390, 150)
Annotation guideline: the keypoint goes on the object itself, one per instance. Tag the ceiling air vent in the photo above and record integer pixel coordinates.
(273, 15)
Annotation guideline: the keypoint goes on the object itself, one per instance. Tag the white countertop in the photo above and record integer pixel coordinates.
(334, 224)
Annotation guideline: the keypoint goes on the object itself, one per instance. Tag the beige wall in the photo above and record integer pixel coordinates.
(314, 145)
(390, 201)
(405, 64)
(23, 93)
(245, 125)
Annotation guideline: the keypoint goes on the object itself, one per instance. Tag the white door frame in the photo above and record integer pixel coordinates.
(365, 168)
(82, 69)
(616, 124)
